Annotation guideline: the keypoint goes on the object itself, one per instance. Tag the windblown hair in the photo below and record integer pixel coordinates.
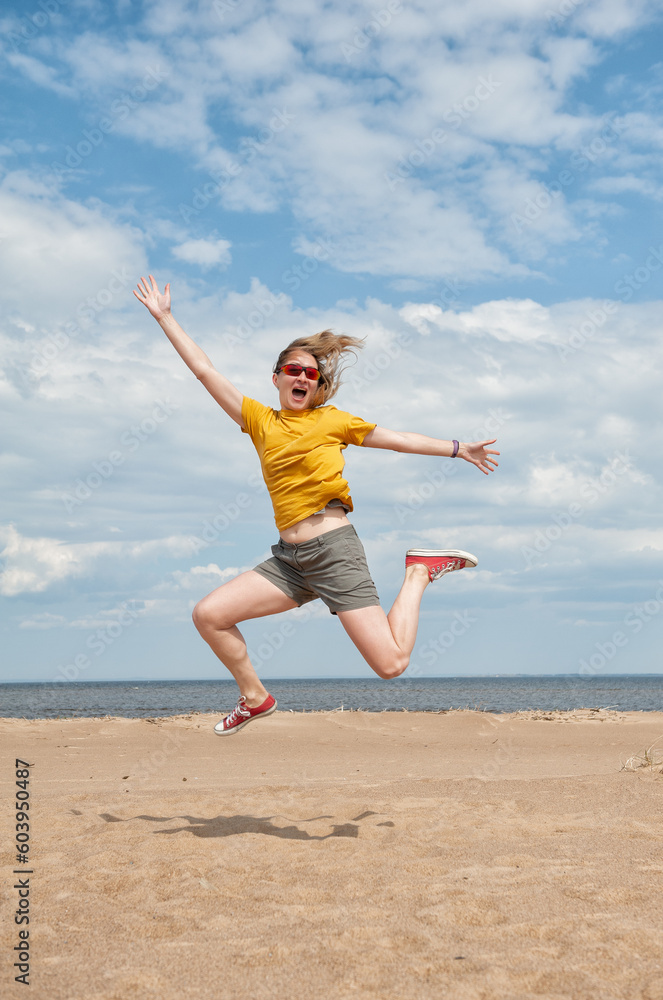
(328, 349)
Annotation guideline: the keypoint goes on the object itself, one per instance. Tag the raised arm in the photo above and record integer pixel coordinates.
(477, 453)
(224, 392)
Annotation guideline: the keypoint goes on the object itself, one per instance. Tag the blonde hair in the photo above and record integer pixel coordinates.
(328, 349)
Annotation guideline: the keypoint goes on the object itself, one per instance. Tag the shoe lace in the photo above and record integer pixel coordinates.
(449, 567)
(239, 711)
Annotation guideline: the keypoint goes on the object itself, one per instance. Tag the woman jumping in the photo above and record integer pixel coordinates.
(318, 553)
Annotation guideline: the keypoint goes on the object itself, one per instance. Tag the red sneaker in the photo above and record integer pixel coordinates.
(440, 561)
(241, 715)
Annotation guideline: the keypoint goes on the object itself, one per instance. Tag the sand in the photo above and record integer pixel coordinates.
(344, 854)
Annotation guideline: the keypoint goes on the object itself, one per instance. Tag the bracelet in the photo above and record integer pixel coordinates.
(456, 447)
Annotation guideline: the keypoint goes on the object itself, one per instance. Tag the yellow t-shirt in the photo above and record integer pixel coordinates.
(301, 456)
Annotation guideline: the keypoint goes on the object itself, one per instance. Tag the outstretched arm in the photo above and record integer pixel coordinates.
(224, 392)
(477, 453)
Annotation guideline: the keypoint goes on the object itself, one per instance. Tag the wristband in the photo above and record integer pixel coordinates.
(456, 447)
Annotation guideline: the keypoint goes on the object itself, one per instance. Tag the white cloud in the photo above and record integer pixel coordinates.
(95, 59)
(501, 89)
(205, 253)
(33, 565)
(613, 18)
(201, 576)
(408, 160)
(630, 184)
(492, 370)
(43, 621)
(46, 620)
(41, 74)
(515, 319)
(262, 51)
(75, 252)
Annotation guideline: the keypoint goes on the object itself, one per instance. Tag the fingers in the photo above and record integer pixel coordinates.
(146, 292)
(486, 465)
(146, 289)
(148, 296)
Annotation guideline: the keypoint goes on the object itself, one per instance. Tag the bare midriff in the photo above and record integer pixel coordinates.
(314, 525)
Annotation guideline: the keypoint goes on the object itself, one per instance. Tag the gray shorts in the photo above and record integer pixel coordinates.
(332, 567)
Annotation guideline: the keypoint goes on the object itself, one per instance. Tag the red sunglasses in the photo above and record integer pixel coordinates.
(311, 373)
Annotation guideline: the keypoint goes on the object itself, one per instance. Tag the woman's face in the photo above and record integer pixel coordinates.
(297, 392)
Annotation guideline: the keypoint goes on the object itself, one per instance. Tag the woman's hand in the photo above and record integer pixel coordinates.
(477, 453)
(152, 299)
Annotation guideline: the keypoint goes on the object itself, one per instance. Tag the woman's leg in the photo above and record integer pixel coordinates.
(386, 641)
(249, 595)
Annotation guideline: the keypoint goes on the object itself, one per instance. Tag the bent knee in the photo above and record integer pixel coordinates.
(199, 616)
(207, 615)
(394, 667)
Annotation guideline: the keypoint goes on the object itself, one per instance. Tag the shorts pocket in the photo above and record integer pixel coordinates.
(352, 556)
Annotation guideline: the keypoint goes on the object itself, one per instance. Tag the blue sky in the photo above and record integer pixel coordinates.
(474, 188)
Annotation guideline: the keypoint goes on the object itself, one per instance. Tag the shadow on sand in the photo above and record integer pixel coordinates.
(232, 826)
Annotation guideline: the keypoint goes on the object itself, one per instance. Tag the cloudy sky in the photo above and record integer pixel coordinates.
(474, 187)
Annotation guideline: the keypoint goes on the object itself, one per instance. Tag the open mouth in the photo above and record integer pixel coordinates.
(299, 393)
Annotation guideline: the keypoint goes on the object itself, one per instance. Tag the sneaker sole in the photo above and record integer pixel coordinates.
(236, 729)
(470, 560)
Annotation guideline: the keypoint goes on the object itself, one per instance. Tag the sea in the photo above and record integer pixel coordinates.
(152, 699)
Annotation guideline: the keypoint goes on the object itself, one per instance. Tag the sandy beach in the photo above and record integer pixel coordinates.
(341, 854)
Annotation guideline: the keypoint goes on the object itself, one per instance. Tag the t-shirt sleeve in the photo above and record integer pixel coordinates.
(253, 416)
(356, 429)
